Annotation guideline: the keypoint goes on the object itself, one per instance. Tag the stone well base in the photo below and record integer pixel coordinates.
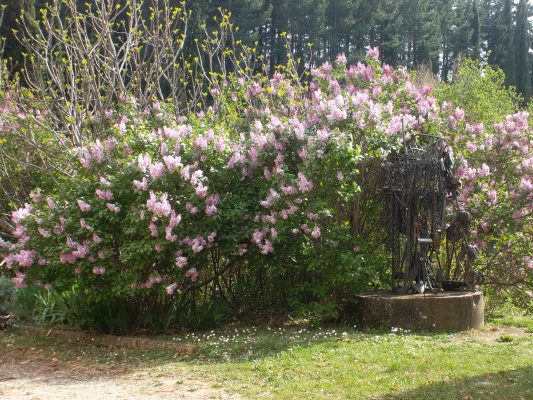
(434, 312)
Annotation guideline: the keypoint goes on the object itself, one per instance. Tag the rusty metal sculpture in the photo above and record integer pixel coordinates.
(418, 186)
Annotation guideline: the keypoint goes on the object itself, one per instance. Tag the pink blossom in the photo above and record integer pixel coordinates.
(113, 208)
(316, 232)
(267, 174)
(51, 204)
(174, 219)
(492, 195)
(272, 197)
(43, 232)
(341, 59)
(70, 242)
(312, 216)
(267, 247)
(373, 53)
(19, 280)
(172, 163)
(197, 244)
(190, 208)
(211, 237)
(210, 210)
(67, 258)
(193, 274)
(25, 258)
(19, 231)
(201, 190)
(305, 228)
(96, 238)
(59, 228)
(258, 236)
(335, 114)
(110, 143)
(200, 143)
(254, 90)
(153, 229)
(268, 219)
(104, 194)
(101, 255)
(144, 162)
(471, 147)
(21, 213)
(302, 153)
(157, 170)
(84, 207)
(85, 158)
(213, 199)
(99, 270)
(289, 190)
(143, 185)
(168, 234)
(36, 195)
(171, 288)
(304, 185)
(526, 184)
(219, 145)
(185, 172)
(160, 207)
(195, 176)
(484, 170)
(181, 261)
(163, 149)
(242, 249)
(104, 182)
(98, 152)
(459, 114)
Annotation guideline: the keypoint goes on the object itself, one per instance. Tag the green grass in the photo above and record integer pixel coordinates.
(341, 363)
(519, 321)
(392, 366)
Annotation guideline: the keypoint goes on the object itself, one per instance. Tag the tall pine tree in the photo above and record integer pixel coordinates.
(475, 38)
(521, 50)
(10, 30)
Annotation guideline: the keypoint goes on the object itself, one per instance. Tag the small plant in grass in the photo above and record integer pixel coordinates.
(505, 339)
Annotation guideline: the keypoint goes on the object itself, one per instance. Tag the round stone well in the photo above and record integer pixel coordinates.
(446, 311)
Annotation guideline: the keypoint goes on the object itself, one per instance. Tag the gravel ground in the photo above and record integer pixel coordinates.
(31, 373)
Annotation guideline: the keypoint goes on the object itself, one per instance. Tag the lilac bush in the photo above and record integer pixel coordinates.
(274, 178)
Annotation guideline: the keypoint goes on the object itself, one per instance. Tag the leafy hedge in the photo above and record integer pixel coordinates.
(265, 199)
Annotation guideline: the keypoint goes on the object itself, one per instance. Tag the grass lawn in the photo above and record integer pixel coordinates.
(295, 362)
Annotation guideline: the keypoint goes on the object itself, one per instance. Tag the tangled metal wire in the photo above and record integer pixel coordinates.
(419, 186)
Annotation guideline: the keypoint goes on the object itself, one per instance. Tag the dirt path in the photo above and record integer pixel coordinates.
(30, 373)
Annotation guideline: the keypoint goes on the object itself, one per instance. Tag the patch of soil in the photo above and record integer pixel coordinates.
(41, 374)
(491, 334)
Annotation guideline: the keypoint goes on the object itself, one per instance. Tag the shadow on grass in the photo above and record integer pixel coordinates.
(514, 384)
